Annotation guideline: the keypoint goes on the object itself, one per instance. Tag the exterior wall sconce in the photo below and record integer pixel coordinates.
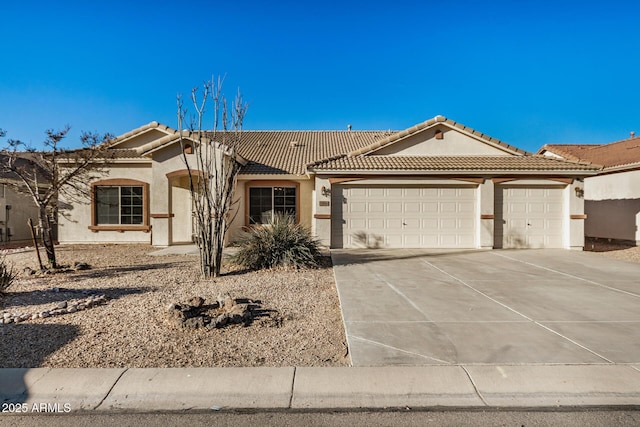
(326, 192)
(579, 192)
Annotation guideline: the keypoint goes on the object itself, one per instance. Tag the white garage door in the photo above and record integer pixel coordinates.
(403, 216)
(532, 217)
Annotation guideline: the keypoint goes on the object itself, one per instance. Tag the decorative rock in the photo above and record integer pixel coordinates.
(45, 314)
(194, 314)
(195, 302)
(62, 304)
(6, 315)
(79, 266)
(81, 307)
(72, 309)
(194, 323)
(28, 271)
(225, 300)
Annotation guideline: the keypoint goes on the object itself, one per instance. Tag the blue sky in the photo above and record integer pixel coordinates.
(525, 72)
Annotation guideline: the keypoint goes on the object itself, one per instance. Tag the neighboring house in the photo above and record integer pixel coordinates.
(15, 210)
(612, 198)
(438, 184)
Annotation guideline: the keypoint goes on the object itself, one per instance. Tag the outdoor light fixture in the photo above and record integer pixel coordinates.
(579, 192)
(326, 192)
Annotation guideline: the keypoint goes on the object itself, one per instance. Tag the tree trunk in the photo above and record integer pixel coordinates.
(47, 240)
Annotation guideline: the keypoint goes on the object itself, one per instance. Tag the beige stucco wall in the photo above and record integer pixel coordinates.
(612, 205)
(14, 220)
(240, 208)
(453, 143)
(576, 209)
(74, 227)
(486, 202)
(322, 211)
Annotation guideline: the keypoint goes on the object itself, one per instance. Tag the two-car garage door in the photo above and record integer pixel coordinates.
(404, 216)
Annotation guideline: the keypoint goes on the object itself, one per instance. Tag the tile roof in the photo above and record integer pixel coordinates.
(568, 151)
(125, 153)
(615, 154)
(430, 123)
(287, 152)
(450, 163)
(290, 152)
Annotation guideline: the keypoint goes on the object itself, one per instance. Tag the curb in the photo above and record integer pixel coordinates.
(313, 388)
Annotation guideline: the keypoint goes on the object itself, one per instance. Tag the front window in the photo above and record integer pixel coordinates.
(122, 205)
(264, 202)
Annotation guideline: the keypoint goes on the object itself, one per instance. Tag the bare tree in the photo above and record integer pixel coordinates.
(212, 160)
(47, 174)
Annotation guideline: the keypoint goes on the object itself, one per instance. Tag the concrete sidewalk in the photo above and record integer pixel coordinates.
(454, 386)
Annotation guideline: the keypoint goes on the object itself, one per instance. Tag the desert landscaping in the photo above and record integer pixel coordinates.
(118, 313)
(116, 306)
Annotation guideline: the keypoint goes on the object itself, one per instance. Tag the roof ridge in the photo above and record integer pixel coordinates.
(313, 130)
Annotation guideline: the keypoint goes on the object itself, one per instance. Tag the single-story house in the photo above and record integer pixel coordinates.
(438, 184)
(612, 197)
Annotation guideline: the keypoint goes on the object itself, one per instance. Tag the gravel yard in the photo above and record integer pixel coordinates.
(298, 324)
(613, 250)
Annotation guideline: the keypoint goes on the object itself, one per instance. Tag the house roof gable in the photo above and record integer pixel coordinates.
(437, 121)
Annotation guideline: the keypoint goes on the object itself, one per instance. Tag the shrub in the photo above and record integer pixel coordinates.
(280, 243)
(7, 275)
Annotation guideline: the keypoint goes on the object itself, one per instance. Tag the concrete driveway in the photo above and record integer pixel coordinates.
(424, 307)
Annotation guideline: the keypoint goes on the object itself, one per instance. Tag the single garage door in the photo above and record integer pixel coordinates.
(403, 216)
(531, 217)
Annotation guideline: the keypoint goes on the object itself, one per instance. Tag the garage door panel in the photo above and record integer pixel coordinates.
(555, 209)
(376, 207)
(357, 192)
(357, 207)
(429, 224)
(448, 207)
(448, 223)
(449, 240)
(410, 216)
(412, 223)
(376, 223)
(531, 217)
(394, 207)
(357, 224)
(412, 207)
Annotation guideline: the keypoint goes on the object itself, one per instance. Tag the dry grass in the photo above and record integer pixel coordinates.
(301, 324)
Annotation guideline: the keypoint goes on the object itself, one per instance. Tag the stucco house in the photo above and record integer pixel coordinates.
(612, 197)
(438, 184)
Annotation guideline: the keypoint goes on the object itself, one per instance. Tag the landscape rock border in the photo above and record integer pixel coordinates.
(60, 308)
